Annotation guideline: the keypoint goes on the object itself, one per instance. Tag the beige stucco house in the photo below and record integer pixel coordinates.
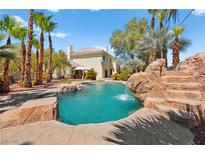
(91, 58)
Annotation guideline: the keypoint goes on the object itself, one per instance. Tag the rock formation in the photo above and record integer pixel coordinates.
(72, 87)
(179, 94)
(33, 110)
(143, 83)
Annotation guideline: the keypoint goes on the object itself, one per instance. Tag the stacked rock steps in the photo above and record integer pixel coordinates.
(182, 94)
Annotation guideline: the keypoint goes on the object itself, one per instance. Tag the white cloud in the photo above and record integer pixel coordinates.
(94, 10)
(199, 12)
(60, 35)
(19, 19)
(53, 10)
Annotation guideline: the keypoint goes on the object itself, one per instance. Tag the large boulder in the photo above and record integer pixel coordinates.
(195, 65)
(143, 83)
(33, 110)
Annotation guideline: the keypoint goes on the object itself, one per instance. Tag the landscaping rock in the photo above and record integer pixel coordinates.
(143, 83)
(196, 65)
(72, 87)
(32, 111)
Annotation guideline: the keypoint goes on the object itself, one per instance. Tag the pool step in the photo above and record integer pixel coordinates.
(192, 86)
(184, 94)
(183, 104)
(178, 79)
(178, 73)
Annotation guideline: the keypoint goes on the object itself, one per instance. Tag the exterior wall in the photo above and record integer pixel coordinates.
(107, 65)
(98, 63)
(91, 62)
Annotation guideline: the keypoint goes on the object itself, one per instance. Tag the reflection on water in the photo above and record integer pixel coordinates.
(124, 97)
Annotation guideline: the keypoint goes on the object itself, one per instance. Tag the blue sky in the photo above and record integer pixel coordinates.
(86, 28)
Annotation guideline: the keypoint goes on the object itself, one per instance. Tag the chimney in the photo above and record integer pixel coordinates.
(107, 49)
(70, 50)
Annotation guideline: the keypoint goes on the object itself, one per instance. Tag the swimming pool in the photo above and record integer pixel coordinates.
(97, 103)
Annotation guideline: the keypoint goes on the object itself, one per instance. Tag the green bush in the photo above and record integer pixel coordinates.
(125, 74)
(90, 75)
(116, 76)
(0, 83)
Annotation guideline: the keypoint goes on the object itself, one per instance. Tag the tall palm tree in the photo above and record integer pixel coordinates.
(155, 40)
(161, 15)
(5, 53)
(27, 76)
(40, 20)
(9, 25)
(50, 26)
(21, 34)
(179, 44)
(36, 45)
(153, 12)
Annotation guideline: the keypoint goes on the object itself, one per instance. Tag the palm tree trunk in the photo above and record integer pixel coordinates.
(49, 78)
(153, 22)
(5, 78)
(23, 56)
(150, 56)
(37, 67)
(27, 76)
(40, 80)
(150, 52)
(176, 52)
(165, 55)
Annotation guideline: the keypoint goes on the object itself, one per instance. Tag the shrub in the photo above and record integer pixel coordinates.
(125, 74)
(33, 82)
(44, 75)
(91, 75)
(116, 76)
(0, 84)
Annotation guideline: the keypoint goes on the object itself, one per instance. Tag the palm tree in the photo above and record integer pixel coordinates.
(36, 45)
(50, 26)
(155, 40)
(5, 53)
(166, 14)
(171, 14)
(9, 25)
(40, 20)
(21, 34)
(153, 12)
(27, 76)
(179, 44)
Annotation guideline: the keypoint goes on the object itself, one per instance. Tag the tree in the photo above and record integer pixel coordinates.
(9, 25)
(50, 26)
(27, 76)
(60, 61)
(153, 12)
(40, 21)
(5, 53)
(36, 45)
(155, 40)
(124, 41)
(166, 15)
(21, 34)
(179, 44)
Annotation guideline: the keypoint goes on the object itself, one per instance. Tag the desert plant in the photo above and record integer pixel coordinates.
(90, 75)
(116, 76)
(125, 73)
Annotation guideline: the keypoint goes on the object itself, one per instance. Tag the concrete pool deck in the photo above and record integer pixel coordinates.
(145, 126)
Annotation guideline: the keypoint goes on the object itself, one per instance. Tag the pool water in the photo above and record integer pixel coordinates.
(97, 103)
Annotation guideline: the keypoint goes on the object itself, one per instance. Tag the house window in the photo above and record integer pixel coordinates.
(103, 58)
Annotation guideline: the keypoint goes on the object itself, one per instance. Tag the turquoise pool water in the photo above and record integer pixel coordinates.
(97, 103)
